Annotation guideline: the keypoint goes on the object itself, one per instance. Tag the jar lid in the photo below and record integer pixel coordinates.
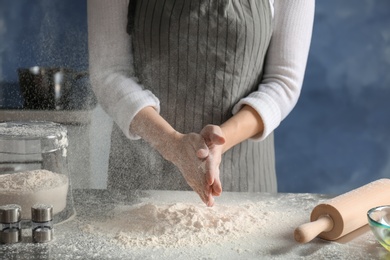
(41, 213)
(10, 213)
(32, 137)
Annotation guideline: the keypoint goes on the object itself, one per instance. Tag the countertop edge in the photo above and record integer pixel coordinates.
(64, 116)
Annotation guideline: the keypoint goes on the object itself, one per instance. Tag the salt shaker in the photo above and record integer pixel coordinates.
(42, 223)
(10, 226)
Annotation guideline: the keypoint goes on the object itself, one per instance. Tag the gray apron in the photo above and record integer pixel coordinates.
(199, 57)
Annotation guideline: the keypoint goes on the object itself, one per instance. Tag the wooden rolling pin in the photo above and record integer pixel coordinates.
(345, 213)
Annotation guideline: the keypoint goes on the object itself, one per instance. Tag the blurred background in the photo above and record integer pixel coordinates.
(337, 138)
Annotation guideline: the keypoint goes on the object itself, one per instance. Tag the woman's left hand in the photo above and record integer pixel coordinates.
(214, 139)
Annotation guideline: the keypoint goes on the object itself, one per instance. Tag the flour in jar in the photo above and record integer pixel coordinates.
(31, 187)
(178, 224)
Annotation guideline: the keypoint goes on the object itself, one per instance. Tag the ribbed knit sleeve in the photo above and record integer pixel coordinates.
(285, 64)
(111, 64)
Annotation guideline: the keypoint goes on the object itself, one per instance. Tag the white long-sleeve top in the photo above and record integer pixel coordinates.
(111, 64)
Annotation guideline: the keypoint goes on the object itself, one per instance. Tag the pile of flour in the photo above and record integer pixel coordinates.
(31, 187)
(178, 224)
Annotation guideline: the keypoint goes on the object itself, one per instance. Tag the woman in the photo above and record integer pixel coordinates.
(196, 88)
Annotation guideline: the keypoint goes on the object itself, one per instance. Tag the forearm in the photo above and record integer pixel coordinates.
(111, 67)
(285, 64)
(245, 124)
(154, 129)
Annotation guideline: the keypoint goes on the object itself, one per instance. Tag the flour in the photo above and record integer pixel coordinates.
(31, 187)
(178, 225)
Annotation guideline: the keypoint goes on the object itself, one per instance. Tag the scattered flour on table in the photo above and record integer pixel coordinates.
(178, 224)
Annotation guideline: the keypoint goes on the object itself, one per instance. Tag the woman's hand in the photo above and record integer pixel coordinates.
(190, 154)
(196, 155)
(215, 140)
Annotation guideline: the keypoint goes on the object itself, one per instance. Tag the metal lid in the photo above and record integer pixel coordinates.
(10, 213)
(41, 213)
(42, 235)
(10, 236)
(31, 137)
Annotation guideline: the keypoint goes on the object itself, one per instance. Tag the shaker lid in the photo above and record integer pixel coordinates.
(41, 212)
(10, 213)
(42, 236)
(30, 137)
(11, 236)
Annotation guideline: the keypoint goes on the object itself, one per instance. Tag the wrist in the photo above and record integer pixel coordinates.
(155, 130)
(245, 124)
(225, 146)
(167, 144)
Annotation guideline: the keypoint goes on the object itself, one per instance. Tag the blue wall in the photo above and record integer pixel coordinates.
(338, 136)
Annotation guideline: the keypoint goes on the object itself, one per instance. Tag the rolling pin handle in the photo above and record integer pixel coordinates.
(309, 231)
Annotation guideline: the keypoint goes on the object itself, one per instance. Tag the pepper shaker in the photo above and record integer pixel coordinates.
(10, 226)
(42, 223)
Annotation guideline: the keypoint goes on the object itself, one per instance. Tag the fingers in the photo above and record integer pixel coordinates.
(210, 169)
(205, 195)
(212, 163)
(209, 196)
(203, 152)
(212, 179)
(210, 202)
(216, 187)
(200, 173)
(217, 139)
(199, 145)
(213, 135)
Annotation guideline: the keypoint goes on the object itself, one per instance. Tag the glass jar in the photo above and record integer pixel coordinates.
(33, 167)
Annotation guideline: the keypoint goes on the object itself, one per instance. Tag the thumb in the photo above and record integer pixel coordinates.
(217, 139)
(203, 151)
(213, 135)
